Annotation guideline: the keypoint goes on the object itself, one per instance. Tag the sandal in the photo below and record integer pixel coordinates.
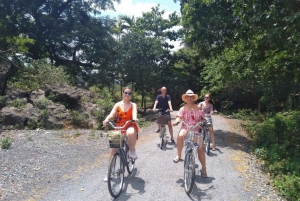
(176, 159)
(213, 149)
(203, 175)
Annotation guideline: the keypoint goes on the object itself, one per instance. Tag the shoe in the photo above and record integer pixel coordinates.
(105, 179)
(172, 141)
(176, 159)
(132, 154)
(203, 175)
(157, 131)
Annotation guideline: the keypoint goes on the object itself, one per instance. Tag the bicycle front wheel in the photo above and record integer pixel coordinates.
(207, 142)
(130, 163)
(189, 172)
(115, 175)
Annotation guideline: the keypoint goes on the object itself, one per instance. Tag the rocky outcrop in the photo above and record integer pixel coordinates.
(56, 107)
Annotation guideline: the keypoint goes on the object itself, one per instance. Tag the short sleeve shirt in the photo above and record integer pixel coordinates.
(191, 117)
(163, 101)
(207, 111)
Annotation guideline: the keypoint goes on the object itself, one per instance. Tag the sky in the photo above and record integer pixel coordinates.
(137, 7)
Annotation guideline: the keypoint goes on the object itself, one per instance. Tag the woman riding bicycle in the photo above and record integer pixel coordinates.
(191, 114)
(124, 111)
(208, 109)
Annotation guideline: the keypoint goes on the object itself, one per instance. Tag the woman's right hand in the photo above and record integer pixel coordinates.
(175, 123)
(104, 122)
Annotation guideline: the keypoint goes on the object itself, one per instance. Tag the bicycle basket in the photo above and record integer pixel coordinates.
(197, 138)
(162, 119)
(115, 139)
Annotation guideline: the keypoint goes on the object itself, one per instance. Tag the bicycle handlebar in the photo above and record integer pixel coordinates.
(120, 127)
(168, 110)
(192, 127)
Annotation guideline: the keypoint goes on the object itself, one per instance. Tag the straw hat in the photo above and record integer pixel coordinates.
(189, 93)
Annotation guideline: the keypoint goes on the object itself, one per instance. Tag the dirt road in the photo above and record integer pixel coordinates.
(75, 169)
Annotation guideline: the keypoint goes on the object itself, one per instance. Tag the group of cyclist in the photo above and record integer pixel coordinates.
(190, 112)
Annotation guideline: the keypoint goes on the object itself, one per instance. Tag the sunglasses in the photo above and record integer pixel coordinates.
(206, 97)
(127, 93)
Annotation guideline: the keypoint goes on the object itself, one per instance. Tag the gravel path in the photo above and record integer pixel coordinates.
(70, 165)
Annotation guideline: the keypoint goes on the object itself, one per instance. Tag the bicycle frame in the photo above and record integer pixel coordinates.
(116, 167)
(206, 136)
(162, 128)
(190, 144)
(190, 156)
(122, 151)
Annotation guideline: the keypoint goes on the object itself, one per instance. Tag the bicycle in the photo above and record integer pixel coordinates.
(119, 160)
(193, 142)
(162, 119)
(206, 137)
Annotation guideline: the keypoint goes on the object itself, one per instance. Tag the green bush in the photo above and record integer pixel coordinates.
(289, 186)
(278, 143)
(5, 143)
(79, 119)
(18, 103)
(37, 75)
(2, 100)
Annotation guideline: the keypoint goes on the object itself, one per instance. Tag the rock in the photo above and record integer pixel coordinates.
(50, 109)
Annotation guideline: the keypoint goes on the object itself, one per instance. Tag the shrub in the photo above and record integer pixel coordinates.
(278, 143)
(18, 103)
(37, 75)
(79, 119)
(5, 143)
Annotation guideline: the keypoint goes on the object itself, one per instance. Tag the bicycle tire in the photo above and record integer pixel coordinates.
(207, 142)
(189, 172)
(130, 162)
(115, 175)
(162, 135)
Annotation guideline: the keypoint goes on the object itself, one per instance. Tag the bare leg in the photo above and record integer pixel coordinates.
(201, 157)
(158, 126)
(180, 137)
(171, 129)
(131, 137)
(212, 137)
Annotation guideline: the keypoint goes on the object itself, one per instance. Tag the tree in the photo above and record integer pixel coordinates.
(69, 33)
(144, 51)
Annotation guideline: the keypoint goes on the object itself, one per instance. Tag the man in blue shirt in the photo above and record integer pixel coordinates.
(163, 101)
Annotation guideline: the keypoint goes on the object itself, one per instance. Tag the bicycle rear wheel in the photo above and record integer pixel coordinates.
(115, 175)
(189, 172)
(162, 135)
(207, 142)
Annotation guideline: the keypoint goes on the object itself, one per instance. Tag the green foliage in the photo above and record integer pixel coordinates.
(249, 115)
(51, 96)
(5, 143)
(2, 100)
(278, 143)
(144, 50)
(33, 124)
(289, 186)
(79, 119)
(209, 27)
(105, 102)
(18, 103)
(37, 75)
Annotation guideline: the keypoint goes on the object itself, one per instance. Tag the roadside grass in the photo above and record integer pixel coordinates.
(277, 142)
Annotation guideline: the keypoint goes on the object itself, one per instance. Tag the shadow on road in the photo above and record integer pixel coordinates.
(230, 140)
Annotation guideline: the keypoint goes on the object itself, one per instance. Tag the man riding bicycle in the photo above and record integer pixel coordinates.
(163, 101)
